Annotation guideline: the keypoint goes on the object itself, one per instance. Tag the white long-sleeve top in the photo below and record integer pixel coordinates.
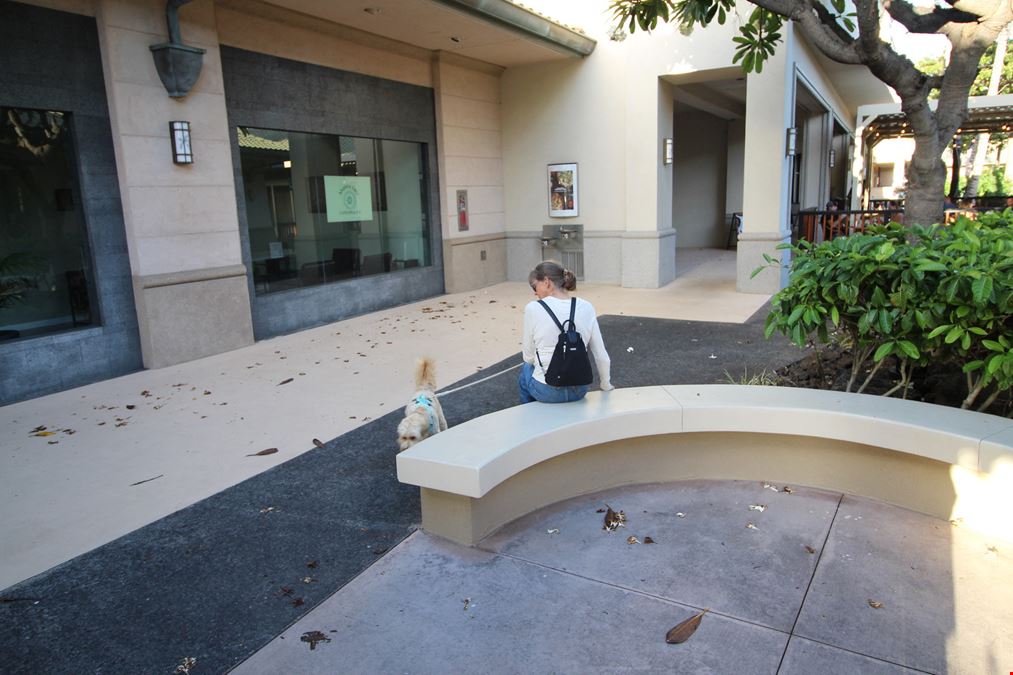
(541, 334)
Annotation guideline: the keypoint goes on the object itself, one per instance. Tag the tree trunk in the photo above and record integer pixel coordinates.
(980, 149)
(926, 183)
(976, 161)
(957, 148)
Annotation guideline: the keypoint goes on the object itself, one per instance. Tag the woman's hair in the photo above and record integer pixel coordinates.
(552, 270)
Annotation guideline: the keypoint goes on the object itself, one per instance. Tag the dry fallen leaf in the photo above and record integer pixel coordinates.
(308, 580)
(632, 540)
(285, 381)
(768, 486)
(130, 406)
(312, 564)
(680, 514)
(313, 637)
(267, 509)
(758, 507)
(554, 530)
(750, 526)
(684, 630)
(787, 489)
(467, 603)
(268, 451)
(810, 550)
(648, 540)
(44, 433)
(875, 604)
(317, 442)
(286, 591)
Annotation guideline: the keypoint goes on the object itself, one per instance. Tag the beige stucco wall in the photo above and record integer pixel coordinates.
(609, 113)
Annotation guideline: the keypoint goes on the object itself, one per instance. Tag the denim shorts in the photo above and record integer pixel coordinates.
(533, 390)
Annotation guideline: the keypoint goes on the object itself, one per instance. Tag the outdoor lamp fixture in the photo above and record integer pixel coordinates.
(833, 158)
(179, 134)
(178, 64)
(667, 151)
(790, 141)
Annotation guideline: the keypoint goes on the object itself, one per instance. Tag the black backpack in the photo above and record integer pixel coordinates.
(569, 366)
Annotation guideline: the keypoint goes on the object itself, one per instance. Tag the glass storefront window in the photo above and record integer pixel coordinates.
(45, 270)
(323, 208)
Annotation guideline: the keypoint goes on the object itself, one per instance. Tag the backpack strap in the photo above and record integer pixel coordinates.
(573, 310)
(553, 315)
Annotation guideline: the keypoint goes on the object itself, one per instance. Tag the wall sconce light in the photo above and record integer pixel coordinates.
(833, 158)
(179, 134)
(667, 151)
(790, 141)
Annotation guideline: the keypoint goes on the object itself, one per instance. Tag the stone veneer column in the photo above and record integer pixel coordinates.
(190, 286)
(766, 181)
(470, 153)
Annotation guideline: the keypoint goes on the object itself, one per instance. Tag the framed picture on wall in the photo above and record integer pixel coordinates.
(563, 190)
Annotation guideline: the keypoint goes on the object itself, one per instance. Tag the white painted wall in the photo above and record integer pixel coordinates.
(699, 184)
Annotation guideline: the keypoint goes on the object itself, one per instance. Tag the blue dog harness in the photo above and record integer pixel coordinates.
(426, 403)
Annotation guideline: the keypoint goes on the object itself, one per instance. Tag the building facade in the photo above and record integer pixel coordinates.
(332, 159)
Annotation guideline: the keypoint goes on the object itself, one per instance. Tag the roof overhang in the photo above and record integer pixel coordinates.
(493, 31)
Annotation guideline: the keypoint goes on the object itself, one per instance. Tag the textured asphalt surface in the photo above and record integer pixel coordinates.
(219, 579)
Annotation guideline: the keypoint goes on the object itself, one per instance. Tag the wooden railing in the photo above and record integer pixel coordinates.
(817, 226)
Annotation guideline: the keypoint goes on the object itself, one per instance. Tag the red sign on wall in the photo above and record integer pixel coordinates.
(462, 210)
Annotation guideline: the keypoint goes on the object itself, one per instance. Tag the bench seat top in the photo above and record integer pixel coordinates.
(474, 457)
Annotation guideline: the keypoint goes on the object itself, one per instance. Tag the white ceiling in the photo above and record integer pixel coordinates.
(429, 25)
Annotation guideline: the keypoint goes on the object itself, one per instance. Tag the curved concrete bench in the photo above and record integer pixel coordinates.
(482, 474)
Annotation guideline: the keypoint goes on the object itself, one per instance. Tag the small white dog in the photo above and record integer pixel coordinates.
(423, 417)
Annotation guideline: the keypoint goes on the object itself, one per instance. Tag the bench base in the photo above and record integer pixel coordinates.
(925, 485)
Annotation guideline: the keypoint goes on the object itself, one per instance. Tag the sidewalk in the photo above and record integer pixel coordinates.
(129, 451)
(554, 592)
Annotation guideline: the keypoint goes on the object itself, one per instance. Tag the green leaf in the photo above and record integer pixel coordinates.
(939, 330)
(972, 366)
(981, 289)
(909, 349)
(953, 335)
(929, 266)
(835, 315)
(884, 350)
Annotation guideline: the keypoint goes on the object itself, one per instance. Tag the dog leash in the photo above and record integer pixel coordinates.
(465, 386)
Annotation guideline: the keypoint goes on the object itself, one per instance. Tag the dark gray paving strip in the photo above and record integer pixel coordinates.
(219, 579)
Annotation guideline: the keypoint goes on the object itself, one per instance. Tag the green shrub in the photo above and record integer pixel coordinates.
(921, 294)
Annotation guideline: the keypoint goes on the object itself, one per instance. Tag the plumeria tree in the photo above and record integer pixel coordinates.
(850, 33)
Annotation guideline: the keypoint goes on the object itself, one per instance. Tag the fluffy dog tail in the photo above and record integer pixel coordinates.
(425, 374)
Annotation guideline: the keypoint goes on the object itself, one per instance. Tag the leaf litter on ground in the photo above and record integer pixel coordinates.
(684, 630)
(313, 637)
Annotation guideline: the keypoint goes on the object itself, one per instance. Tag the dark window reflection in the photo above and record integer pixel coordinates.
(45, 275)
(324, 208)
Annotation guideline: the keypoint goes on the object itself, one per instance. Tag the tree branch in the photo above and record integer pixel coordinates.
(924, 19)
(823, 33)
